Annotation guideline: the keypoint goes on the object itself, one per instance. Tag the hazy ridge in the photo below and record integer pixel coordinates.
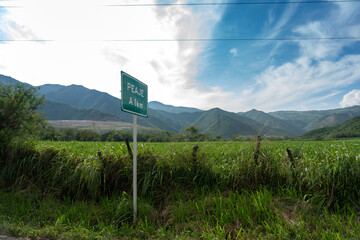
(76, 102)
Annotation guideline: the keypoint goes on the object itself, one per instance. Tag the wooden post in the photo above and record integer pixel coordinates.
(194, 154)
(99, 154)
(102, 175)
(257, 150)
(128, 147)
(291, 157)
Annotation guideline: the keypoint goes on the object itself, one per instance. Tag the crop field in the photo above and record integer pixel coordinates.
(83, 190)
(97, 125)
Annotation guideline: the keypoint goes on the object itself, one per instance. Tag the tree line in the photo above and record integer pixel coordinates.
(190, 134)
(19, 118)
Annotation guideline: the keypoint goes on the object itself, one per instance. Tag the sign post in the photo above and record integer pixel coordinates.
(134, 100)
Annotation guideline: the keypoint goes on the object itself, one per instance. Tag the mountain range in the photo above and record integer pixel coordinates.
(348, 129)
(76, 102)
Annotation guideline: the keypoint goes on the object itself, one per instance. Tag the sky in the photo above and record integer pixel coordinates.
(270, 57)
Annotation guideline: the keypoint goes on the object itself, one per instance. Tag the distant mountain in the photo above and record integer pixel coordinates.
(61, 111)
(178, 121)
(298, 118)
(309, 120)
(330, 120)
(84, 98)
(348, 129)
(226, 124)
(270, 121)
(171, 109)
(76, 102)
(218, 122)
(6, 80)
(49, 88)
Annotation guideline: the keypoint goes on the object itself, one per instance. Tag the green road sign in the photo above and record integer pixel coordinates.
(134, 95)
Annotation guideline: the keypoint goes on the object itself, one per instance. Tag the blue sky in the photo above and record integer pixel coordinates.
(239, 64)
(267, 75)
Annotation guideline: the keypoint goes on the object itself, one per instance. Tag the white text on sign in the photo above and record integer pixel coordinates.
(135, 90)
(135, 103)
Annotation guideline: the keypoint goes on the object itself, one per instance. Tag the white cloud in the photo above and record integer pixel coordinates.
(317, 74)
(79, 54)
(298, 84)
(351, 99)
(234, 52)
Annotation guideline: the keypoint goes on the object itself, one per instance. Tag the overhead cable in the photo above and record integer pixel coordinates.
(213, 3)
(189, 39)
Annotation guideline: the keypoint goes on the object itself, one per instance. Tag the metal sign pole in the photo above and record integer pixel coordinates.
(134, 100)
(135, 167)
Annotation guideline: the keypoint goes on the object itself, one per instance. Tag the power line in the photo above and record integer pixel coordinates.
(191, 39)
(213, 4)
(232, 39)
(226, 3)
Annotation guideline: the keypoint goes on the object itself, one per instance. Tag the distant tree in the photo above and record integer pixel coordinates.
(18, 112)
(87, 135)
(115, 136)
(50, 133)
(218, 138)
(67, 134)
(192, 133)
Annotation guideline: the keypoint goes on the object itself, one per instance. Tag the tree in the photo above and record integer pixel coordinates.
(18, 112)
(67, 134)
(87, 135)
(50, 133)
(192, 133)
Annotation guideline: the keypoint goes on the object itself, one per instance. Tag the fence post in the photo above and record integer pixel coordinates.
(102, 174)
(257, 150)
(194, 154)
(128, 147)
(291, 157)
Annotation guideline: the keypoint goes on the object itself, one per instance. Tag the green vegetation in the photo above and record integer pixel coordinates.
(67, 190)
(203, 190)
(79, 103)
(309, 120)
(18, 116)
(280, 127)
(349, 129)
(190, 134)
(54, 111)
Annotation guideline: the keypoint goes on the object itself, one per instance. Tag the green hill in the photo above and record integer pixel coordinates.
(6, 80)
(171, 109)
(61, 111)
(283, 126)
(309, 120)
(330, 120)
(226, 124)
(48, 88)
(348, 129)
(81, 97)
(76, 102)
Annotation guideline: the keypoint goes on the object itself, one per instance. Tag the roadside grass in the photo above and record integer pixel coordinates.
(67, 190)
(204, 215)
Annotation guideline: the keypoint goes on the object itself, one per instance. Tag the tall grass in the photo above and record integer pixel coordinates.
(327, 172)
(222, 193)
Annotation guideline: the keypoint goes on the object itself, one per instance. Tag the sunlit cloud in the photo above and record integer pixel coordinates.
(316, 74)
(293, 85)
(351, 99)
(83, 50)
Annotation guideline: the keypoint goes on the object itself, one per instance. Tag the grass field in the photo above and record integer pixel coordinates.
(66, 190)
(100, 126)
